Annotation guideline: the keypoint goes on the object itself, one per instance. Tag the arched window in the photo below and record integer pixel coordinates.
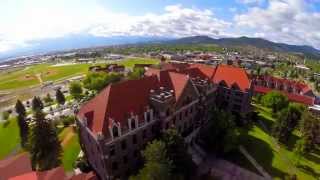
(133, 123)
(115, 131)
(168, 112)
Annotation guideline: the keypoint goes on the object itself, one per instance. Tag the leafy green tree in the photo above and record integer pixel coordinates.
(300, 150)
(157, 166)
(177, 152)
(137, 73)
(98, 81)
(44, 144)
(310, 129)
(37, 104)
(60, 97)
(75, 89)
(288, 120)
(5, 115)
(275, 100)
(48, 99)
(220, 134)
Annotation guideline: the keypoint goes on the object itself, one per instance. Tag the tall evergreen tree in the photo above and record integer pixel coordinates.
(37, 104)
(60, 97)
(157, 164)
(177, 152)
(23, 125)
(20, 109)
(44, 145)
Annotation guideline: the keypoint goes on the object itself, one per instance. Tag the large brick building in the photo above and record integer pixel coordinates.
(125, 116)
(295, 91)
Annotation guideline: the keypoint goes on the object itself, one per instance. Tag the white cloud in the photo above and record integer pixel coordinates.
(39, 21)
(251, 2)
(283, 21)
(176, 21)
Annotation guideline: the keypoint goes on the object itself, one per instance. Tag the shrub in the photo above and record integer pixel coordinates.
(68, 120)
(5, 115)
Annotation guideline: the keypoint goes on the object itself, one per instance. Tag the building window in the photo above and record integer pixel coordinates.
(125, 159)
(180, 116)
(114, 166)
(112, 151)
(133, 123)
(153, 129)
(186, 113)
(135, 153)
(168, 112)
(123, 144)
(174, 120)
(148, 116)
(144, 134)
(134, 139)
(115, 131)
(167, 125)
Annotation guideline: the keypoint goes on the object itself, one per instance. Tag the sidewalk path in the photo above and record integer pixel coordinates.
(254, 162)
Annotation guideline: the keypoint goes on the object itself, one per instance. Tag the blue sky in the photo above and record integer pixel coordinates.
(290, 21)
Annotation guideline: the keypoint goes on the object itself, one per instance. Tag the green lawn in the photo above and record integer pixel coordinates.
(71, 148)
(9, 137)
(278, 160)
(132, 61)
(22, 78)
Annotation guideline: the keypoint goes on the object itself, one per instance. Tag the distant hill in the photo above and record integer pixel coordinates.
(246, 41)
(75, 41)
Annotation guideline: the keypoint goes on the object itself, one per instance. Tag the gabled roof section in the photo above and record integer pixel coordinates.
(95, 109)
(177, 82)
(194, 73)
(209, 71)
(118, 100)
(14, 166)
(232, 75)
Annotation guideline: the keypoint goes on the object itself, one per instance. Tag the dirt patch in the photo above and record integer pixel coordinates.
(67, 139)
(49, 72)
(27, 77)
(69, 135)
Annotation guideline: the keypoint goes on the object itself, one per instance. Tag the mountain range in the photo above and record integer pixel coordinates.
(77, 41)
(246, 41)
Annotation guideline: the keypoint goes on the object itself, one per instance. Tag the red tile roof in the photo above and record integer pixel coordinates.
(174, 81)
(292, 97)
(117, 100)
(85, 176)
(14, 166)
(208, 71)
(232, 75)
(53, 174)
(302, 86)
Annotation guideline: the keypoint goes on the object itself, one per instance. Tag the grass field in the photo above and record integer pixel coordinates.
(279, 161)
(9, 137)
(29, 76)
(71, 147)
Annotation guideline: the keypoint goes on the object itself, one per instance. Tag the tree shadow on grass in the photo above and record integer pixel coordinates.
(262, 153)
(314, 156)
(308, 170)
(267, 122)
(292, 142)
